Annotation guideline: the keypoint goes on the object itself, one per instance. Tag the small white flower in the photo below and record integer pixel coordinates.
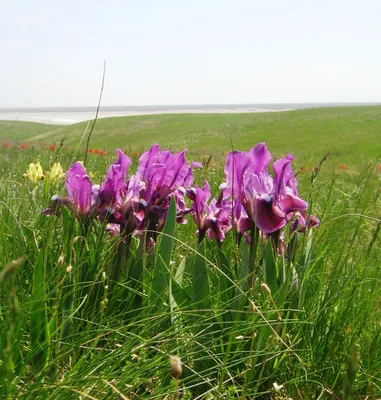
(277, 387)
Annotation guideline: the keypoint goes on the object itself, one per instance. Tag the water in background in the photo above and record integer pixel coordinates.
(72, 115)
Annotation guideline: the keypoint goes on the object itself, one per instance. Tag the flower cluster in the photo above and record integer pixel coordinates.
(36, 174)
(250, 198)
(261, 200)
(56, 173)
(139, 203)
(212, 218)
(96, 151)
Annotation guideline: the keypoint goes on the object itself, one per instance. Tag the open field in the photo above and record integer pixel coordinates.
(287, 312)
(350, 134)
(16, 131)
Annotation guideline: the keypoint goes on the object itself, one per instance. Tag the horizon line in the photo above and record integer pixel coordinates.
(315, 103)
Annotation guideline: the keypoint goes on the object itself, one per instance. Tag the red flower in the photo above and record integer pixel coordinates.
(22, 147)
(90, 151)
(135, 154)
(101, 153)
(5, 144)
(342, 167)
(96, 151)
(52, 147)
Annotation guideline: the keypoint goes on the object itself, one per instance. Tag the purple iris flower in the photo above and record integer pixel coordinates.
(113, 229)
(82, 196)
(113, 190)
(163, 174)
(219, 219)
(303, 222)
(268, 202)
(79, 188)
(113, 187)
(142, 202)
(212, 218)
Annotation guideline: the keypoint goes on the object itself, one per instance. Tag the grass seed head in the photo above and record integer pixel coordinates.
(60, 261)
(176, 367)
(266, 289)
(7, 272)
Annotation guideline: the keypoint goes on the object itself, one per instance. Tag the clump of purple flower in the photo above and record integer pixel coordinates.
(134, 205)
(260, 200)
(250, 199)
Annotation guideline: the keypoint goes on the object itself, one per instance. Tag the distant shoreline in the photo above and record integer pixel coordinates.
(69, 118)
(72, 115)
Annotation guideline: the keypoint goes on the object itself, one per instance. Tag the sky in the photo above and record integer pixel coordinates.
(168, 52)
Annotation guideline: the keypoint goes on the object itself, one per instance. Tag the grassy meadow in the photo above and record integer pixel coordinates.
(350, 133)
(86, 315)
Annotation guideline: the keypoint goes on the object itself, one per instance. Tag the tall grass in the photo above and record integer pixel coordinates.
(71, 327)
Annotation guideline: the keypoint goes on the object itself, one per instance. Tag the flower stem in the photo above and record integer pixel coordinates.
(254, 233)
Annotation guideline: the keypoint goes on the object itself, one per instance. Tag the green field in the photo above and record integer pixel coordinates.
(291, 315)
(18, 131)
(350, 134)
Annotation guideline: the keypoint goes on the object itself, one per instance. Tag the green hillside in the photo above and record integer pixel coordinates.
(350, 134)
(19, 130)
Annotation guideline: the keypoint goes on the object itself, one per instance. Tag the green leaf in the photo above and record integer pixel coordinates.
(39, 325)
(179, 275)
(177, 295)
(67, 307)
(226, 278)
(200, 280)
(136, 274)
(280, 297)
(271, 268)
(245, 256)
(161, 269)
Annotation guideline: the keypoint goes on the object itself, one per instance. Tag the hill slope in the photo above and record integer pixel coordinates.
(351, 134)
(18, 130)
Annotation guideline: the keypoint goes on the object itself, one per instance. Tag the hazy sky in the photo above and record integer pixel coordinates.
(189, 51)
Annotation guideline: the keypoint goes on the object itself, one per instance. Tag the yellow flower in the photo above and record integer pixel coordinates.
(56, 173)
(34, 173)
